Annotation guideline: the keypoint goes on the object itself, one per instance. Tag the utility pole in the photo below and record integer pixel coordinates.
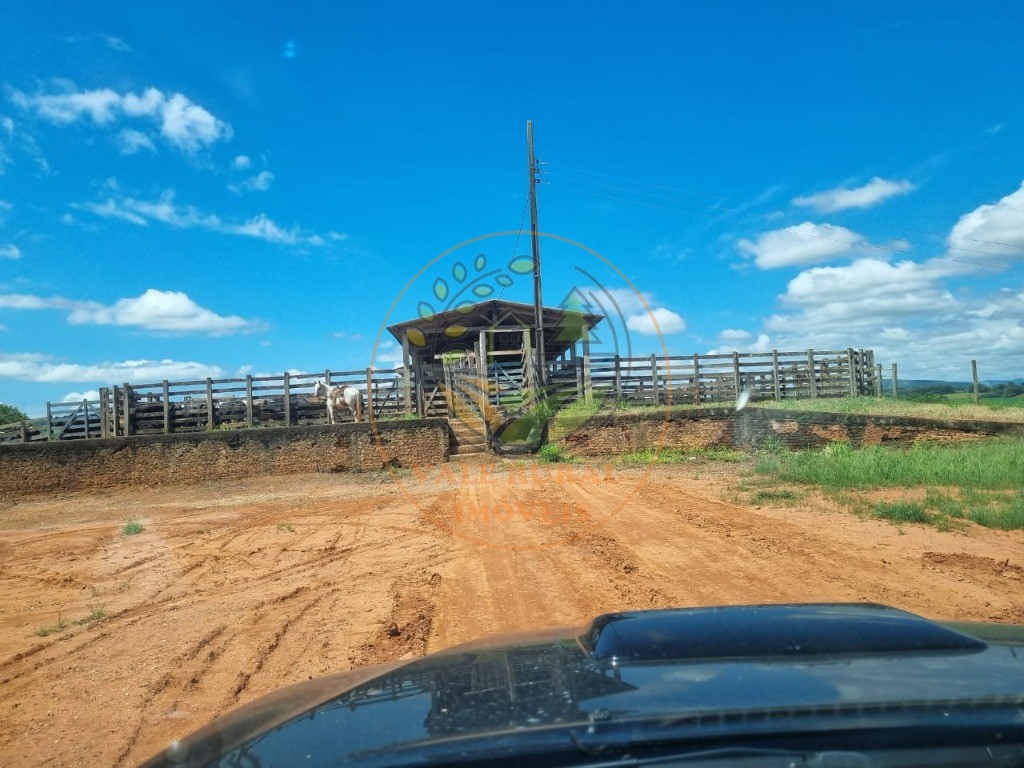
(538, 303)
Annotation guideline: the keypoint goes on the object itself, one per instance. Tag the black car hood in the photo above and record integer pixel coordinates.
(697, 663)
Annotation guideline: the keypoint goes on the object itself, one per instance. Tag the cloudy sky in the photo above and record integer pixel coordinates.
(204, 189)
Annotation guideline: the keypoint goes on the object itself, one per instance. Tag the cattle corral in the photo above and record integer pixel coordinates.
(111, 645)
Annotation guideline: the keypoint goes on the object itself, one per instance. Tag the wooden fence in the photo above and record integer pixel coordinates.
(213, 404)
(774, 375)
(286, 399)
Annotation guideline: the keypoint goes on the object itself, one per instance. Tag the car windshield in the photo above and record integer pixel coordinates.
(334, 336)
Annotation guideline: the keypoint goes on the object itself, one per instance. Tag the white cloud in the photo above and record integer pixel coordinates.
(841, 198)
(763, 343)
(998, 227)
(133, 141)
(659, 320)
(117, 44)
(636, 308)
(77, 397)
(259, 183)
(154, 310)
(242, 162)
(730, 334)
(183, 123)
(167, 211)
(10, 251)
(389, 354)
(45, 369)
(801, 245)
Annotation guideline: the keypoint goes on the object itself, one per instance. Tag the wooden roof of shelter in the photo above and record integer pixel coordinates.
(459, 328)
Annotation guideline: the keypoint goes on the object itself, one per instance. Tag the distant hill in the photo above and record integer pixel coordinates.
(940, 387)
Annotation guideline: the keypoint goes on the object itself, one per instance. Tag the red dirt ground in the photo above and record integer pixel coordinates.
(237, 588)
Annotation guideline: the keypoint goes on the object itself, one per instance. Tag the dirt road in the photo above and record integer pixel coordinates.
(235, 589)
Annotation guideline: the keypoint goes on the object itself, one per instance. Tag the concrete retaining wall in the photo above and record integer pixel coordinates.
(185, 458)
(752, 427)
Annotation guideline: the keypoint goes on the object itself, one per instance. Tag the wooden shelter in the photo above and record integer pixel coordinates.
(488, 348)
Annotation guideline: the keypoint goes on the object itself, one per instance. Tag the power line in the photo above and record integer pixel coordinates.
(675, 190)
(515, 248)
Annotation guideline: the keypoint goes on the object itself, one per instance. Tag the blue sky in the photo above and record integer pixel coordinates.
(213, 189)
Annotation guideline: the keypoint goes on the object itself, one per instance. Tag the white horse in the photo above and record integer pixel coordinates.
(340, 397)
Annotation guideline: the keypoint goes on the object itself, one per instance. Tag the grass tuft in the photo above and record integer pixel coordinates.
(678, 456)
(554, 454)
(60, 626)
(132, 527)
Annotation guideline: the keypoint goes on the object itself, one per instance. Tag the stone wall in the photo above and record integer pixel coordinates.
(724, 427)
(186, 458)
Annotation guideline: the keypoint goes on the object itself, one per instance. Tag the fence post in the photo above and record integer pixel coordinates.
(209, 405)
(895, 383)
(87, 430)
(696, 378)
(878, 380)
(974, 378)
(618, 379)
(854, 389)
(421, 406)
(812, 381)
(654, 377)
(126, 397)
(483, 397)
(104, 412)
(775, 375)
(588, 384)
(736, 383)
(49, 423)
(24, 432)
(369, 394)
(406, 372)
(248, 401)
(167, 407)
(287, 399)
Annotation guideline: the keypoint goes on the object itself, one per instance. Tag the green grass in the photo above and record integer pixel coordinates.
(60, 626)
(945, 407)
(988, 464)
(902, 512)
(554, 454)
(981, 482)
(774, 495)
(678, 456)
(132, 527)
(96, 613)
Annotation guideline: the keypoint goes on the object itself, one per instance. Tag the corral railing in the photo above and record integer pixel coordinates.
(773, 375)
(286, 399)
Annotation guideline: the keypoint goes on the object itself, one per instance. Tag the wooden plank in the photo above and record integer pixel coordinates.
(209, 406)
(854, 391)
(126, 400)
(369, 395)
(811, 380)
(878, 380)
(974, 378)
(588, 384)
(167, 407)
(895, 383)
(654, 379)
